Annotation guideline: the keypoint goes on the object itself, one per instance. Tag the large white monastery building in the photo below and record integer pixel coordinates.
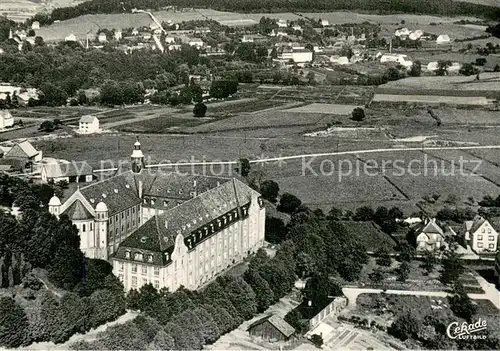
(164, 228)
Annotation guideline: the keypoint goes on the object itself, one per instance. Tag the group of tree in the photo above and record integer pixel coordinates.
(410, 6)
(40, 240)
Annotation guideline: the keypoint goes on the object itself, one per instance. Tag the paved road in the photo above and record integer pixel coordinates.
(325, 154)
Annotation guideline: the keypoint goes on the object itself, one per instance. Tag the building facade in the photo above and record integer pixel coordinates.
(480, 235)
(88, 125)
(163, 228)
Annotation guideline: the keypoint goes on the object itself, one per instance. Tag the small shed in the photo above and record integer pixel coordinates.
(271, 328)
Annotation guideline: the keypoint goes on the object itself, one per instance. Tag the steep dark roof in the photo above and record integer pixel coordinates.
(279, 323)
(118, 193)
(77, 211)
(22, 149)
(158, 234)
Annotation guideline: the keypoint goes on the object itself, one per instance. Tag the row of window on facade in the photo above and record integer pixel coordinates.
(144, 269)
(490, 246)
(90, 227)
(490, 237)
(130, 211)
(156, 283)
(117, 233)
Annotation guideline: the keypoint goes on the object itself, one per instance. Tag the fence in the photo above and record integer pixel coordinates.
(335, 306)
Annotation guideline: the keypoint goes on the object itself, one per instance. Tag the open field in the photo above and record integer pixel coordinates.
(333, 109)
(493, 3)
(163, 124)
(489, 81)
(430, 99)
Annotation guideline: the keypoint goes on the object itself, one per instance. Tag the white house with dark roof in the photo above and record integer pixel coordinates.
(164, 228)
(88, 125)
(480, 235)
(430, 237)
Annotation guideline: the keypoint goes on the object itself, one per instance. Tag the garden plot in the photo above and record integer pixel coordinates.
(350, 132)
(332, 109)
(492, 156)
(266, 119)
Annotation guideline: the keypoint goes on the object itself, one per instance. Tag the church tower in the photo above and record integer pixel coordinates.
(137, 158)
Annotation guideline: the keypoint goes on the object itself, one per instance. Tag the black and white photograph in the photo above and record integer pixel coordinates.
(237, 175)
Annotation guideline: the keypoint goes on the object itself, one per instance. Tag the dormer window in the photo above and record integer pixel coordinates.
(165, 203)
(145, 200)
(167, 256)
(150, 258)
(138, 256)
(127, 254)
(152, 201)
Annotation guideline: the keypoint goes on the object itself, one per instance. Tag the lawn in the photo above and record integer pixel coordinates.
(163, 124)
(334, 109)
(489, 81)
(431, 99)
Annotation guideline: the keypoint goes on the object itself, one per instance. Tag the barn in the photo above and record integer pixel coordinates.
(271, 328)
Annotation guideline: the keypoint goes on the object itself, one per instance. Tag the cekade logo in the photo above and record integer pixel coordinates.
(466, 331)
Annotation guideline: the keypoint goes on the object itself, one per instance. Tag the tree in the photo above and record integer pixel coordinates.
(358, 114)
(363, 214)
(430, 261)
(318, 290)
(289, 203)
(461, 304)
(403, 271)
(405, 327)
(480, 61)
(208, 326)
(452, 268)
(47, 126)
(468, 69)
(383, 257)
(317, 340)
(405, 252)
(269, 190)
(275, 231)
(242, 296)
(13, 323)
(221, 89)
(162, 341)
(335, 214)
(442, 68)
(263, 293)
(200, 109)
(416, 69)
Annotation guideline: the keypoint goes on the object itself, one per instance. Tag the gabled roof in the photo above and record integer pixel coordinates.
(432, 228)
(22, 149)
(475, 224)
(5, 114)
(67, 169)
(279, 323)
(88, 119)
(78, 212)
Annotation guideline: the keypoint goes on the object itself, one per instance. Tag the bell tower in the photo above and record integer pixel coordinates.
(137, 158)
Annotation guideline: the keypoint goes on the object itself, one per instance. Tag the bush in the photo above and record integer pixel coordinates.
(200, 110)
(358, 114)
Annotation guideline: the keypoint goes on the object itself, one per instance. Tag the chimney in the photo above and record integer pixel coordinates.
(194, 183)
(140, 188)
(166, 224)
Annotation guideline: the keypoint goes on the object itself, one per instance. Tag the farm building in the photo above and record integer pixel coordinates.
(6, 119)
(443, 39)
(282, 23)
(402, 32)
(399, 58)
(325, 23)
(432, 66)
(102, 38)
(70, 37)
(271, 328)
(88, 124)
(71, 172)
(23, 152)
(169, 40)
(117, 35)
(302, 55)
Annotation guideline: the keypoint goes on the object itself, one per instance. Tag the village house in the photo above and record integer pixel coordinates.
(480, 235)
(117, 35)
(35, 25)
(102, 38)
(6, 119)
(271, 328)
(443, 39)
(430, 236)
(71, 172)
(24, 153)
(166, 229)
(88, 124)
(282, 23)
